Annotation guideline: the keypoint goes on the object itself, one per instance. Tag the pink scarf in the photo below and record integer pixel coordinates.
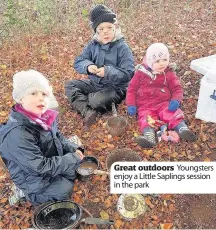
(46, 119)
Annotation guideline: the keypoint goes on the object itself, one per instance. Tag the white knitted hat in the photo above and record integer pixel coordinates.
(26, 82)
(155, 52)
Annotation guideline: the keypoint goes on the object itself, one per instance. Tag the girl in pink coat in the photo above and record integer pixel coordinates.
(155, 91)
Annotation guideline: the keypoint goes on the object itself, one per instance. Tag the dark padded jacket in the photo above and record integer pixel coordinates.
(116, 58)
(37, 158)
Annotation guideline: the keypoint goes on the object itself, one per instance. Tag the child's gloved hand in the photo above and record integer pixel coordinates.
(173, 105)
(131, 110)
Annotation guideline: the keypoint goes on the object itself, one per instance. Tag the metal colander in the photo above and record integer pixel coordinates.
(116, 125)
(121, 155)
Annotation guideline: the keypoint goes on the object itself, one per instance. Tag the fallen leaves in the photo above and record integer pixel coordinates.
(76, 198)
(96, 200)
(54, 60)
(212, 145)
(3, 113)
(118, 223)
(108, 202)
(3, 67)
(171, 207)
(213, 44)
(135, 135)
(148, 152)
(104, 215)
(207, 159)
(148, 202)
(4, 200)
(167, 196)
(3, 176)
(166, 226)
(154, 217)
(186, 73)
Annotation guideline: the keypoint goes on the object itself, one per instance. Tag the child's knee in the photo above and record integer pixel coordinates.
(53, 192)
(100, 100)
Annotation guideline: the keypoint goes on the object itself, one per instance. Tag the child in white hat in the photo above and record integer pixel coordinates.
(41, 161)
(155, 92)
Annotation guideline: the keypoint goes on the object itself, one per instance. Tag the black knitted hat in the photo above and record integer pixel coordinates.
(99, 14)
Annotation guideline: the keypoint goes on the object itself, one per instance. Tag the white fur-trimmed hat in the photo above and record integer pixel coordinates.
(26, 82)
(155, 52)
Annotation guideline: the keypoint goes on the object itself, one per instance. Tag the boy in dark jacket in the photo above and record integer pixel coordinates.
(109, 64)
(156, 92)
(40, 160)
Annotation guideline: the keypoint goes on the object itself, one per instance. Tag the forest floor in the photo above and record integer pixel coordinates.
(189, 32)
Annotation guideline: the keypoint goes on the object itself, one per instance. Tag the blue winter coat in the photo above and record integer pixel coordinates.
(39, 161)
(116, 57)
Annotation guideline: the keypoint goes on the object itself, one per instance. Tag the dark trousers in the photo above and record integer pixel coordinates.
(60, 188)
(84, 95)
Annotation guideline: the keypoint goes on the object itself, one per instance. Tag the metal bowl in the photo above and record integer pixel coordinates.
(57, 215)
